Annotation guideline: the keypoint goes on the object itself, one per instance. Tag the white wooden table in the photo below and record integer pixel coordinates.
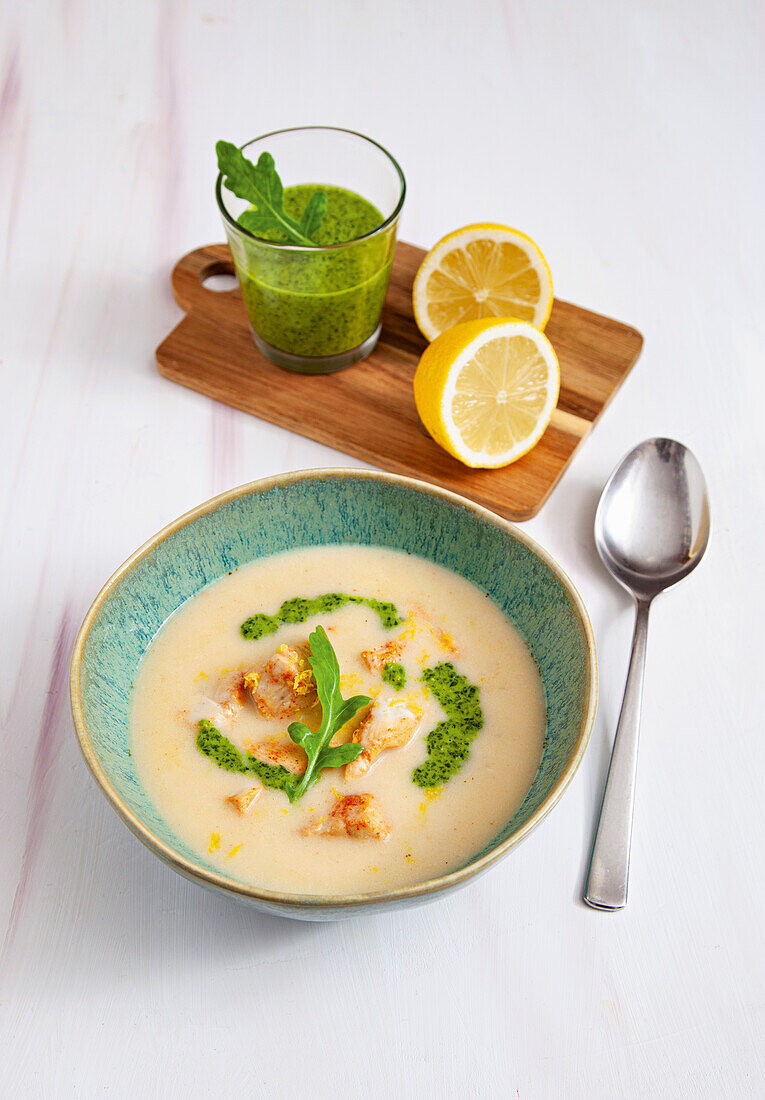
(628, 140)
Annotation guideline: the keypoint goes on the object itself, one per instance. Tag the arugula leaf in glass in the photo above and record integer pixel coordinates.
(260, 185)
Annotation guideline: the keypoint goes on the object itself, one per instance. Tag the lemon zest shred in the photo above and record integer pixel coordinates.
(430, 795)
(446, 641)
(303, 682)
(414, 705)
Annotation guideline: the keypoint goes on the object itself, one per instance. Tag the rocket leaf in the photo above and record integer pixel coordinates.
(260, 185)
(335, 712)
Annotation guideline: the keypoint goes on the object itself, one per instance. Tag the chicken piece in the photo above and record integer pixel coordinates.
(282, 753)
(353, 815)
(376, 659)
(245, 800)
(223, 705)
(388, 725)
(285, 685)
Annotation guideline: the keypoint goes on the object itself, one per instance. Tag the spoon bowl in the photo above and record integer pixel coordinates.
(651, 530)
(652, 522)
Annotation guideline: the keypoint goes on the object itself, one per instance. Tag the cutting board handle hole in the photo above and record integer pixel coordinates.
(218, 277)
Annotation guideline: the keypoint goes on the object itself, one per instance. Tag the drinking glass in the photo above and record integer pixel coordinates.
(316, 309)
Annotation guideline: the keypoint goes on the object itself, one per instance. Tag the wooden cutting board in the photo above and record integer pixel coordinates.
(368, 410)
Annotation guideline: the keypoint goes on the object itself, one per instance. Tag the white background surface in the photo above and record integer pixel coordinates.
(628, 140)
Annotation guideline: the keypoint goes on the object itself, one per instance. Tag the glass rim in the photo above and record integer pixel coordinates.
(234, 224)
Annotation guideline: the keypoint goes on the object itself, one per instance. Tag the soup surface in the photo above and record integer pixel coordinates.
(414, 827)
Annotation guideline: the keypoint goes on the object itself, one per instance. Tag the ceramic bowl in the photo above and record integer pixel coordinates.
(312, 508)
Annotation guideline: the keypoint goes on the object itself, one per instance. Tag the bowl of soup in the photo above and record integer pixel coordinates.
(335, 691)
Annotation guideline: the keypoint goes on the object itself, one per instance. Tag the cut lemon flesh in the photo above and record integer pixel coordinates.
(483, 270)
(485, 390)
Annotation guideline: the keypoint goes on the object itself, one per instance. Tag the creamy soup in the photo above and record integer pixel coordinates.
(443, 776)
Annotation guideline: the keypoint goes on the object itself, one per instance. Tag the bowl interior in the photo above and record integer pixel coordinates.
(311, 510)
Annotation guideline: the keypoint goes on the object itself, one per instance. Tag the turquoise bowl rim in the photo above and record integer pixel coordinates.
(283, 901)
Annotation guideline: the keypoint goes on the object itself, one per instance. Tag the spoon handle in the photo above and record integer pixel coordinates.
(607, 878)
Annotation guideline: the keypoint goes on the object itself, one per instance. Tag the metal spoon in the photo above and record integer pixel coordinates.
(651, 530)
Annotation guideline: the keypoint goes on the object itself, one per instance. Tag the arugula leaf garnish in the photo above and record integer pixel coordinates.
(335, 712)
(260, 185)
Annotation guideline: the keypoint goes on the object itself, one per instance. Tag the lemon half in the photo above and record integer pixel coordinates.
(485, 390)
(483, 270)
